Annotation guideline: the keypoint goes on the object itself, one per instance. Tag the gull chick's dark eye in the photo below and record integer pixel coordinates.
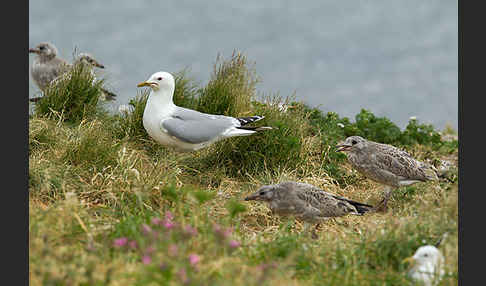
(262, 193)
(354, 142)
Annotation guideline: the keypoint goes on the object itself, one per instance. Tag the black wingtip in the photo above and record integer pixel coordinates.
(249, 119)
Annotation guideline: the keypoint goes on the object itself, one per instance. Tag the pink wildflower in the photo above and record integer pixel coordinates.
(169, 215)
(146, 229)
(119, 242)
(156, 221)
(194, 259)
(234, 244)
(190, 231)
(133, 244)
(168, 224)
(149, 250)
(222, 233)
(227, 232)
(146, 259)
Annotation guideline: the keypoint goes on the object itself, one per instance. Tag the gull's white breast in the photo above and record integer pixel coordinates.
(153, 116)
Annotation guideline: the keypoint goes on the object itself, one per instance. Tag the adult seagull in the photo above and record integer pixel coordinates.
(185, 129)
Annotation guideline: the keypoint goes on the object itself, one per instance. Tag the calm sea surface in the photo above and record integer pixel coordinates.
(396, 58)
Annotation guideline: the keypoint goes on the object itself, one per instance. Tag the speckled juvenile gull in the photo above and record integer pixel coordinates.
(385, 164)
(427, 265)
(47, 65)
(88, 60)
(185, 129)
(306, 202)
(48, 68)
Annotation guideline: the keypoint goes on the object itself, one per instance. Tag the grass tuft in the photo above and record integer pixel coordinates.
(73, 97)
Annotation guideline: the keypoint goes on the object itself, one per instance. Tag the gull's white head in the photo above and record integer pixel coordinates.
(426, 265)
(160, 81)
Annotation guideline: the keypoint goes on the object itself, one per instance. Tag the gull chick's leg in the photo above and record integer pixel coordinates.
(306, 230)
(314, 234)
(382, 206)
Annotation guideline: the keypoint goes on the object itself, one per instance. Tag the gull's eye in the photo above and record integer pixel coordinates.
(159, 78)
(426, 255)
(262, 193)
(354, 142)
(41, 47)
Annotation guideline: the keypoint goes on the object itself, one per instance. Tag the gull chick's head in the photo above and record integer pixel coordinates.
(159, 80)
(265, 193)
(351, 143)
(88, 59)
(45, 50)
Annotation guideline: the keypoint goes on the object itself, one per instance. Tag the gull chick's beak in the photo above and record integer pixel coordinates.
(252, 197)
(35, 51)
(342, 147)
(97, 64)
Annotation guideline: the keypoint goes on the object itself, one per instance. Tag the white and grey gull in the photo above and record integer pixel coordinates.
(186, 129)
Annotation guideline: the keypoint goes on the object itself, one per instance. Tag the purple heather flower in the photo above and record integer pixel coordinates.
(149, 250)
(119, 242)
(146, 259)
(133, 244)
(189, 230)
(146, 229)
(217, 228)
(222, 233)
(227, 232)
(168, 224)
(194, 259)
(234, 243)
(156, 221)
(169, 215)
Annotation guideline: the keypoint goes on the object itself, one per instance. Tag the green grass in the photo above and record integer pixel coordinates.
(100, 191)
(72, 98)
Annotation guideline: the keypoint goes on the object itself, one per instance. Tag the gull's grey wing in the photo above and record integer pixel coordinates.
(195, 127)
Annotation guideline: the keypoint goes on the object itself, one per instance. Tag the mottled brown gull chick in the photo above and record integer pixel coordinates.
(90, 61)
(385, 164)
(48, 67)
(306, 202)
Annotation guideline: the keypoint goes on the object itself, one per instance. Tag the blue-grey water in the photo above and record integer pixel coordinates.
(396, 58)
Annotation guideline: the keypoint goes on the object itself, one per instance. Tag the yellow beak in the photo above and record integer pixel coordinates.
(145, 83)
(410, 260)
